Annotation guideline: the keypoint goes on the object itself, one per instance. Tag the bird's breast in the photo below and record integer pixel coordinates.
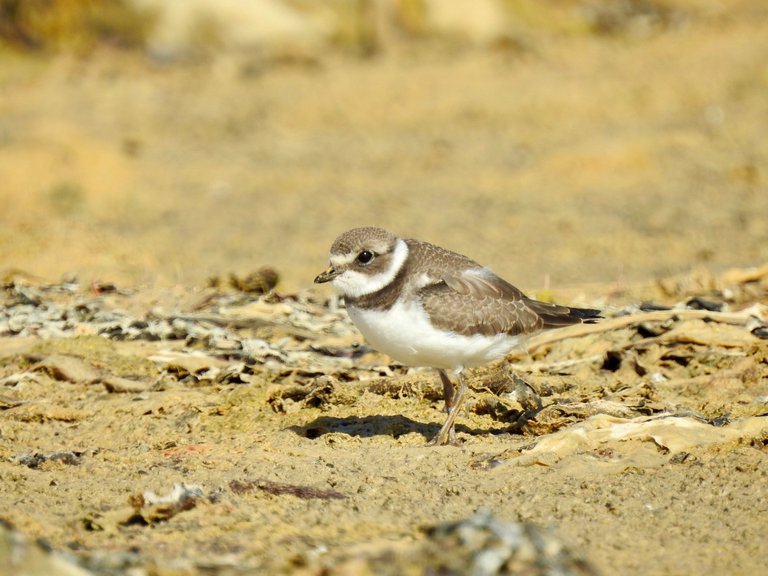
(405, 333)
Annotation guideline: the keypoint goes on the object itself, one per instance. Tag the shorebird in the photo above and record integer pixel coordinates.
(423, 305)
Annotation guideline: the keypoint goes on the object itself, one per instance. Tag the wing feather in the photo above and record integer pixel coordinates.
(472, 299)
(481, 282)
(478, 301)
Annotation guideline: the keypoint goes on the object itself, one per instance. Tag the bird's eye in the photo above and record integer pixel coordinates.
(365, 257)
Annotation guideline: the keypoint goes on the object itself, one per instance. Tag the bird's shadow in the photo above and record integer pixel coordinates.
(370, 426)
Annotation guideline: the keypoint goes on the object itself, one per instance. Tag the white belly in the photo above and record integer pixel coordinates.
(405, 333)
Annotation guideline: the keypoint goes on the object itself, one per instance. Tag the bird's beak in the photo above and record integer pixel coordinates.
(327, 275)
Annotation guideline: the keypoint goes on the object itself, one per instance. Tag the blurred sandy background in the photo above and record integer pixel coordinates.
(561, 143)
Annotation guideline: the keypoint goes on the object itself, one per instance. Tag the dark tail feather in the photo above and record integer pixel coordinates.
(556, 316)
(587, 315)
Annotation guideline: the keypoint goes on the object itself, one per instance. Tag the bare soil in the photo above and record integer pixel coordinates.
(594, 170)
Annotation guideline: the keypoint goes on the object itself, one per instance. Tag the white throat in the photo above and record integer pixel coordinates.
(355, 284)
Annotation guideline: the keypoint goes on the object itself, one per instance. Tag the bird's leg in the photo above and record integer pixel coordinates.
(447, 389)
(447, 434)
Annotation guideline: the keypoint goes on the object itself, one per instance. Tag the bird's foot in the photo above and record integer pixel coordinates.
(447, 434)
(446, 437)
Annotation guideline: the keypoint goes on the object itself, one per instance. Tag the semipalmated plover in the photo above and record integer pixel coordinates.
(427, 306)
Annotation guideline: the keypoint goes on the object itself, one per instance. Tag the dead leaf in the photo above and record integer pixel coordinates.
(68, 369)
(117, 384)
(672, 433)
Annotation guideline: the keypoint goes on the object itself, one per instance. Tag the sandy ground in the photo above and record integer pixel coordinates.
(583, 168)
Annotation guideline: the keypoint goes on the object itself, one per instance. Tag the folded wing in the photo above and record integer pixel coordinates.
(476, 300)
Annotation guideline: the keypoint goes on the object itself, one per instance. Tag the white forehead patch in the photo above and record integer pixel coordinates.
(354, 284)
(341, 260)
